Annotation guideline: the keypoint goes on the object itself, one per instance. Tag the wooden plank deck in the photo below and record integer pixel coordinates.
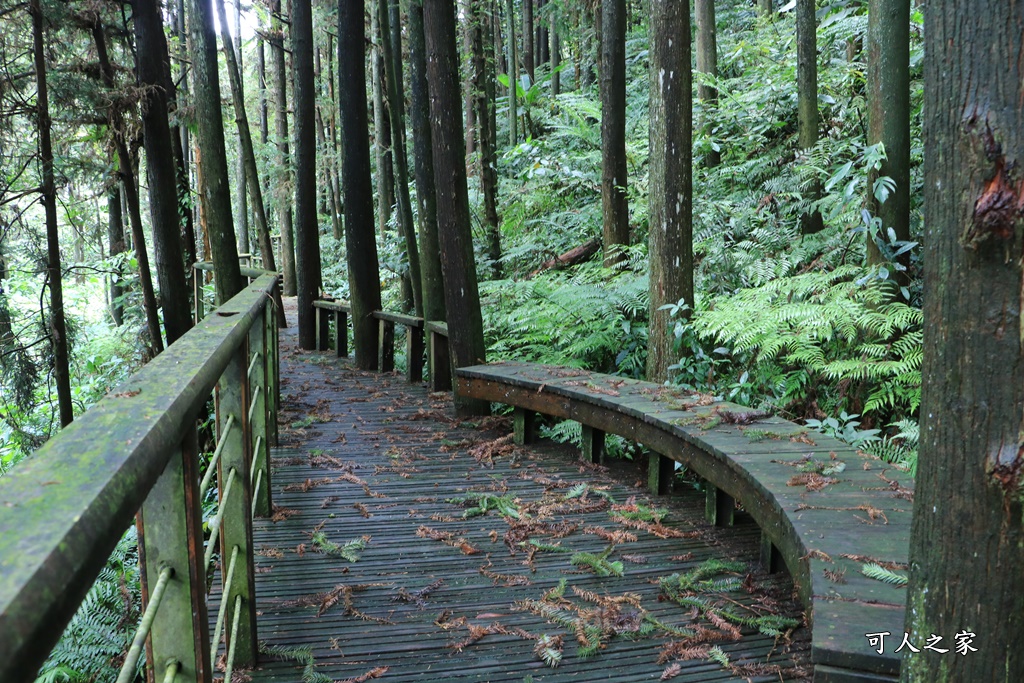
(371, 456)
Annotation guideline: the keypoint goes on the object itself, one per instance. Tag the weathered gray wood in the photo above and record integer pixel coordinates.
(386, 346)
(770, 558)
(171, 535)
(660, 471)
(400, 318)
(593, 444)
(440, 358)
(260, 392)
(65, 508)
(523, 421)
(236, 523)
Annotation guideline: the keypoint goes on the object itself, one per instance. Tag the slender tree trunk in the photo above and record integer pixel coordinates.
(765, 7)
(391, 45)
(483, 78)
(240, 170)
(513, 75)
(186, 208)
(335, 158)
(807, 96)
(307, 234)
(115, 240)
(461, 294)
(57, 325)
(469, 107)
(131, 196)
(528, 46)
(888, 81)
(555, 49)
(613, 129)
(360, 243)
(426, 194)
(967, 534)
(499, 43)
(216, 192)
(707, 63)
(381, 127)
(670, 237)
(151, 58)
(283, 192)
(543, 54)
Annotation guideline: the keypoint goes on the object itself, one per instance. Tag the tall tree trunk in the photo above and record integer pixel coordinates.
(967, 534)
(807, 98)
(151, 61)
(131, 196)
(241, 168)
(765, 7)
(58, 328)
(469, 107)
(707, 63)
(528, 45)
(670, 238)
(391, 34)
(115, 240)
(513, 75)
(216, 192)
(461, 294)
(283, 192)
(335, 159)
(613, 128)
(381, 127)
(307, 233)
(182, 147)
(888, 81)
(543, 54)
(555, 49)
(360, 243)
(426, 194)
(483, 92)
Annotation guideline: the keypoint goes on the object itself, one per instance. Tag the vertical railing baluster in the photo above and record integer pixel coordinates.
(414, 354)
(171, 535)
(386, 348)
(197, 293)
(258, 429)
(236, 523)
(272, 377)
(341, 334)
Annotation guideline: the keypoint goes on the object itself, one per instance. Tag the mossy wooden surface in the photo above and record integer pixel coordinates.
(813, 496)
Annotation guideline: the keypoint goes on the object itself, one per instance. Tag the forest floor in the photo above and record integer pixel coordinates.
(372, 567)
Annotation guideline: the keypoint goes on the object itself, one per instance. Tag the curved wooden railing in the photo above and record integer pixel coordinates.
(824, 508)
(422, 336)
(134, 455)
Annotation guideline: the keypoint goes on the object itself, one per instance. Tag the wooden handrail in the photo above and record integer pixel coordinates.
(63, 510)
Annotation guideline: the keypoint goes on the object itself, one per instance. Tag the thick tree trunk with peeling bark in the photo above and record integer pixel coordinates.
(967, 535)
(670, 235)
(465, 321)
(360, 240)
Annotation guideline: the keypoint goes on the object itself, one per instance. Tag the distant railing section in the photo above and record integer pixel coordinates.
(422, 336)
(134, 454)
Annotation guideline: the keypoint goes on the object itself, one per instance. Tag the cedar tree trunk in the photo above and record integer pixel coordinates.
(613, 128)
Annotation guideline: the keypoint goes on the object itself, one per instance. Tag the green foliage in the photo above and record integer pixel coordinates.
(349, 551)
(878, 573)
(481, 503)
(598, 564)
(95, 642)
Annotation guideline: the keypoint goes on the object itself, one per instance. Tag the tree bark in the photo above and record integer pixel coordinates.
(126, 173)
(513, 75)
(241, 169)
(461, 295)
(888, 81)
(283, 192)
(483, 93)
(967, 534)
(528, 44)
(613, 129)
(426, 194)
(360, 242)
(391, 45)
(670, 237)
(807, 98)
(186, 208)
(381, 127)
(216, 192)
(307, 233)
(555, 49)
(115, 240)
(765, 7)
(57, 325)
(707, 63)
(151, 60)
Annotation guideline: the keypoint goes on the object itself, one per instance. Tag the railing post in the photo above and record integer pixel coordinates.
(386, 349)
(272, 378)
(236, 525)
(323, 331)
(171, 535)
(414, 354)
(719, 506)
(592, 445)
(523, 425)
(258, 428)
(440, 363)
(197, 294)
(771, 558)
(341, 333)
(659, 473)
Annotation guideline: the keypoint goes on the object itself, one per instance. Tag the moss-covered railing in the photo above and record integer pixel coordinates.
(422, 336)
(134, 456)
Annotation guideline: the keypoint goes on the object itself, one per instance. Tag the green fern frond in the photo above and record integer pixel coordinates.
(878, 573)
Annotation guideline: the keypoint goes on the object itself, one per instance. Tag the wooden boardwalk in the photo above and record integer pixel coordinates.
(436, 596)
